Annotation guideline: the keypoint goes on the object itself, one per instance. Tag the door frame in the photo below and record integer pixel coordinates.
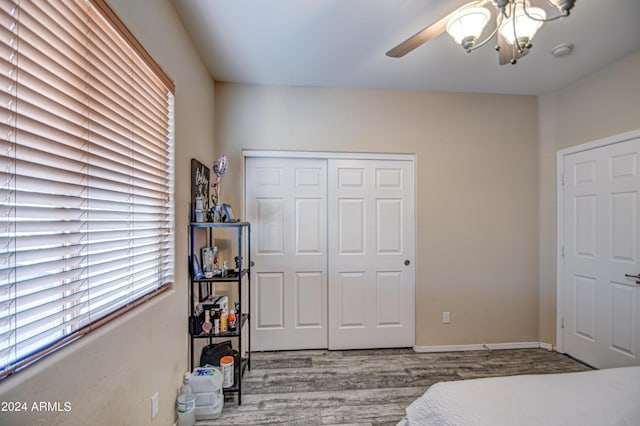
(560, 157)
(329, 155)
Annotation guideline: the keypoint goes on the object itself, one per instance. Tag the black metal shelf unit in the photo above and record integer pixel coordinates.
(243, 231)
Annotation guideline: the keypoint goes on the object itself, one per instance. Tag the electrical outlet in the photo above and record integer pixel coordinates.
(154, 405)
(446, 318)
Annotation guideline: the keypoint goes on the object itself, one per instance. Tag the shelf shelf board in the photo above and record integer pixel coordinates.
(219, 224)
(229, 278)
(235, 333)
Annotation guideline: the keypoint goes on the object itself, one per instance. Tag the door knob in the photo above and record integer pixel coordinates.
(407, 262)
(636, 277)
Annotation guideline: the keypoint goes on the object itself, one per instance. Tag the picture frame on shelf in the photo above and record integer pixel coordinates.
(208, 255)
(228, 213)
(200, 182)
(196, 269)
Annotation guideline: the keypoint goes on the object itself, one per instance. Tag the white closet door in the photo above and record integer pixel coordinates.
(371, 254)
(601, 306)
(286, 205)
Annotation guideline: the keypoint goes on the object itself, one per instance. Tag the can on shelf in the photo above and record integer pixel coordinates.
(226, 365)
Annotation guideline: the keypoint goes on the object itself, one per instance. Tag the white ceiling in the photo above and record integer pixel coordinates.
(342, 43)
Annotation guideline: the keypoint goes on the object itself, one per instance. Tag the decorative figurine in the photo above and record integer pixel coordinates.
(219, 168)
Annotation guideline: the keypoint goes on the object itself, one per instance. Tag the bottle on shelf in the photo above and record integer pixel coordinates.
(232, 320)
(216, 322)
(224, 318)
(186, 404)
(199, 212)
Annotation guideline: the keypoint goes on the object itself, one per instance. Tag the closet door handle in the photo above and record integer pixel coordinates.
(407, 262)
(636, 277)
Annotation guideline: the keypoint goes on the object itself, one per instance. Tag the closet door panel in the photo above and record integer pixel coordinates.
(371, 254)
(286, 205)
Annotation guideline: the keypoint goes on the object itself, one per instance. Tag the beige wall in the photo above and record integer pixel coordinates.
(603, 104)
(110, 376)
(477, 183)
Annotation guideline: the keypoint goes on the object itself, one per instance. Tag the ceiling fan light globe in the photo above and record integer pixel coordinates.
(526, 28)
(468, 24)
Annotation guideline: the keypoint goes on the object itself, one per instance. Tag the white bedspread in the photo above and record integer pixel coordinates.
(603, 397)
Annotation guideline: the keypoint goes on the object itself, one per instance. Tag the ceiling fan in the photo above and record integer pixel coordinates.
(516, 23)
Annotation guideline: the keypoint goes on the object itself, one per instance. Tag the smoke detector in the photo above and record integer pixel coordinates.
(562, 49)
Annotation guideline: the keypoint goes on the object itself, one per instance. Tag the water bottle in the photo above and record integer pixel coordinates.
(199, 209)
(186, 405)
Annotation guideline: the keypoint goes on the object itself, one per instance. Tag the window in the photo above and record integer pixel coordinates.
(86, 175)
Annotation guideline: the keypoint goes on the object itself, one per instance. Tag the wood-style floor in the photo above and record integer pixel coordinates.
(366, 387)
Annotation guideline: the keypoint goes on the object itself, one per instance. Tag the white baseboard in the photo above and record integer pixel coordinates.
(547, 346)
(482, 346)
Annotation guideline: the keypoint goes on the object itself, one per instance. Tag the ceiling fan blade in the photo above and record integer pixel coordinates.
(419, 38)
(507, 52)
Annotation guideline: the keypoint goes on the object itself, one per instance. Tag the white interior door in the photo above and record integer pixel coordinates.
(286, 205)
(601, 306)
(371, 254)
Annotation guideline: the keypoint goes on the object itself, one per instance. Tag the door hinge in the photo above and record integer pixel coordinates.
(562, 182)
(562, 323)
(562, 251)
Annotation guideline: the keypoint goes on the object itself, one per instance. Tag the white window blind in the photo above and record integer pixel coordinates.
(86, 175)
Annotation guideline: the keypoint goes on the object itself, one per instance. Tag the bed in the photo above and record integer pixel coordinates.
(601, 397)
